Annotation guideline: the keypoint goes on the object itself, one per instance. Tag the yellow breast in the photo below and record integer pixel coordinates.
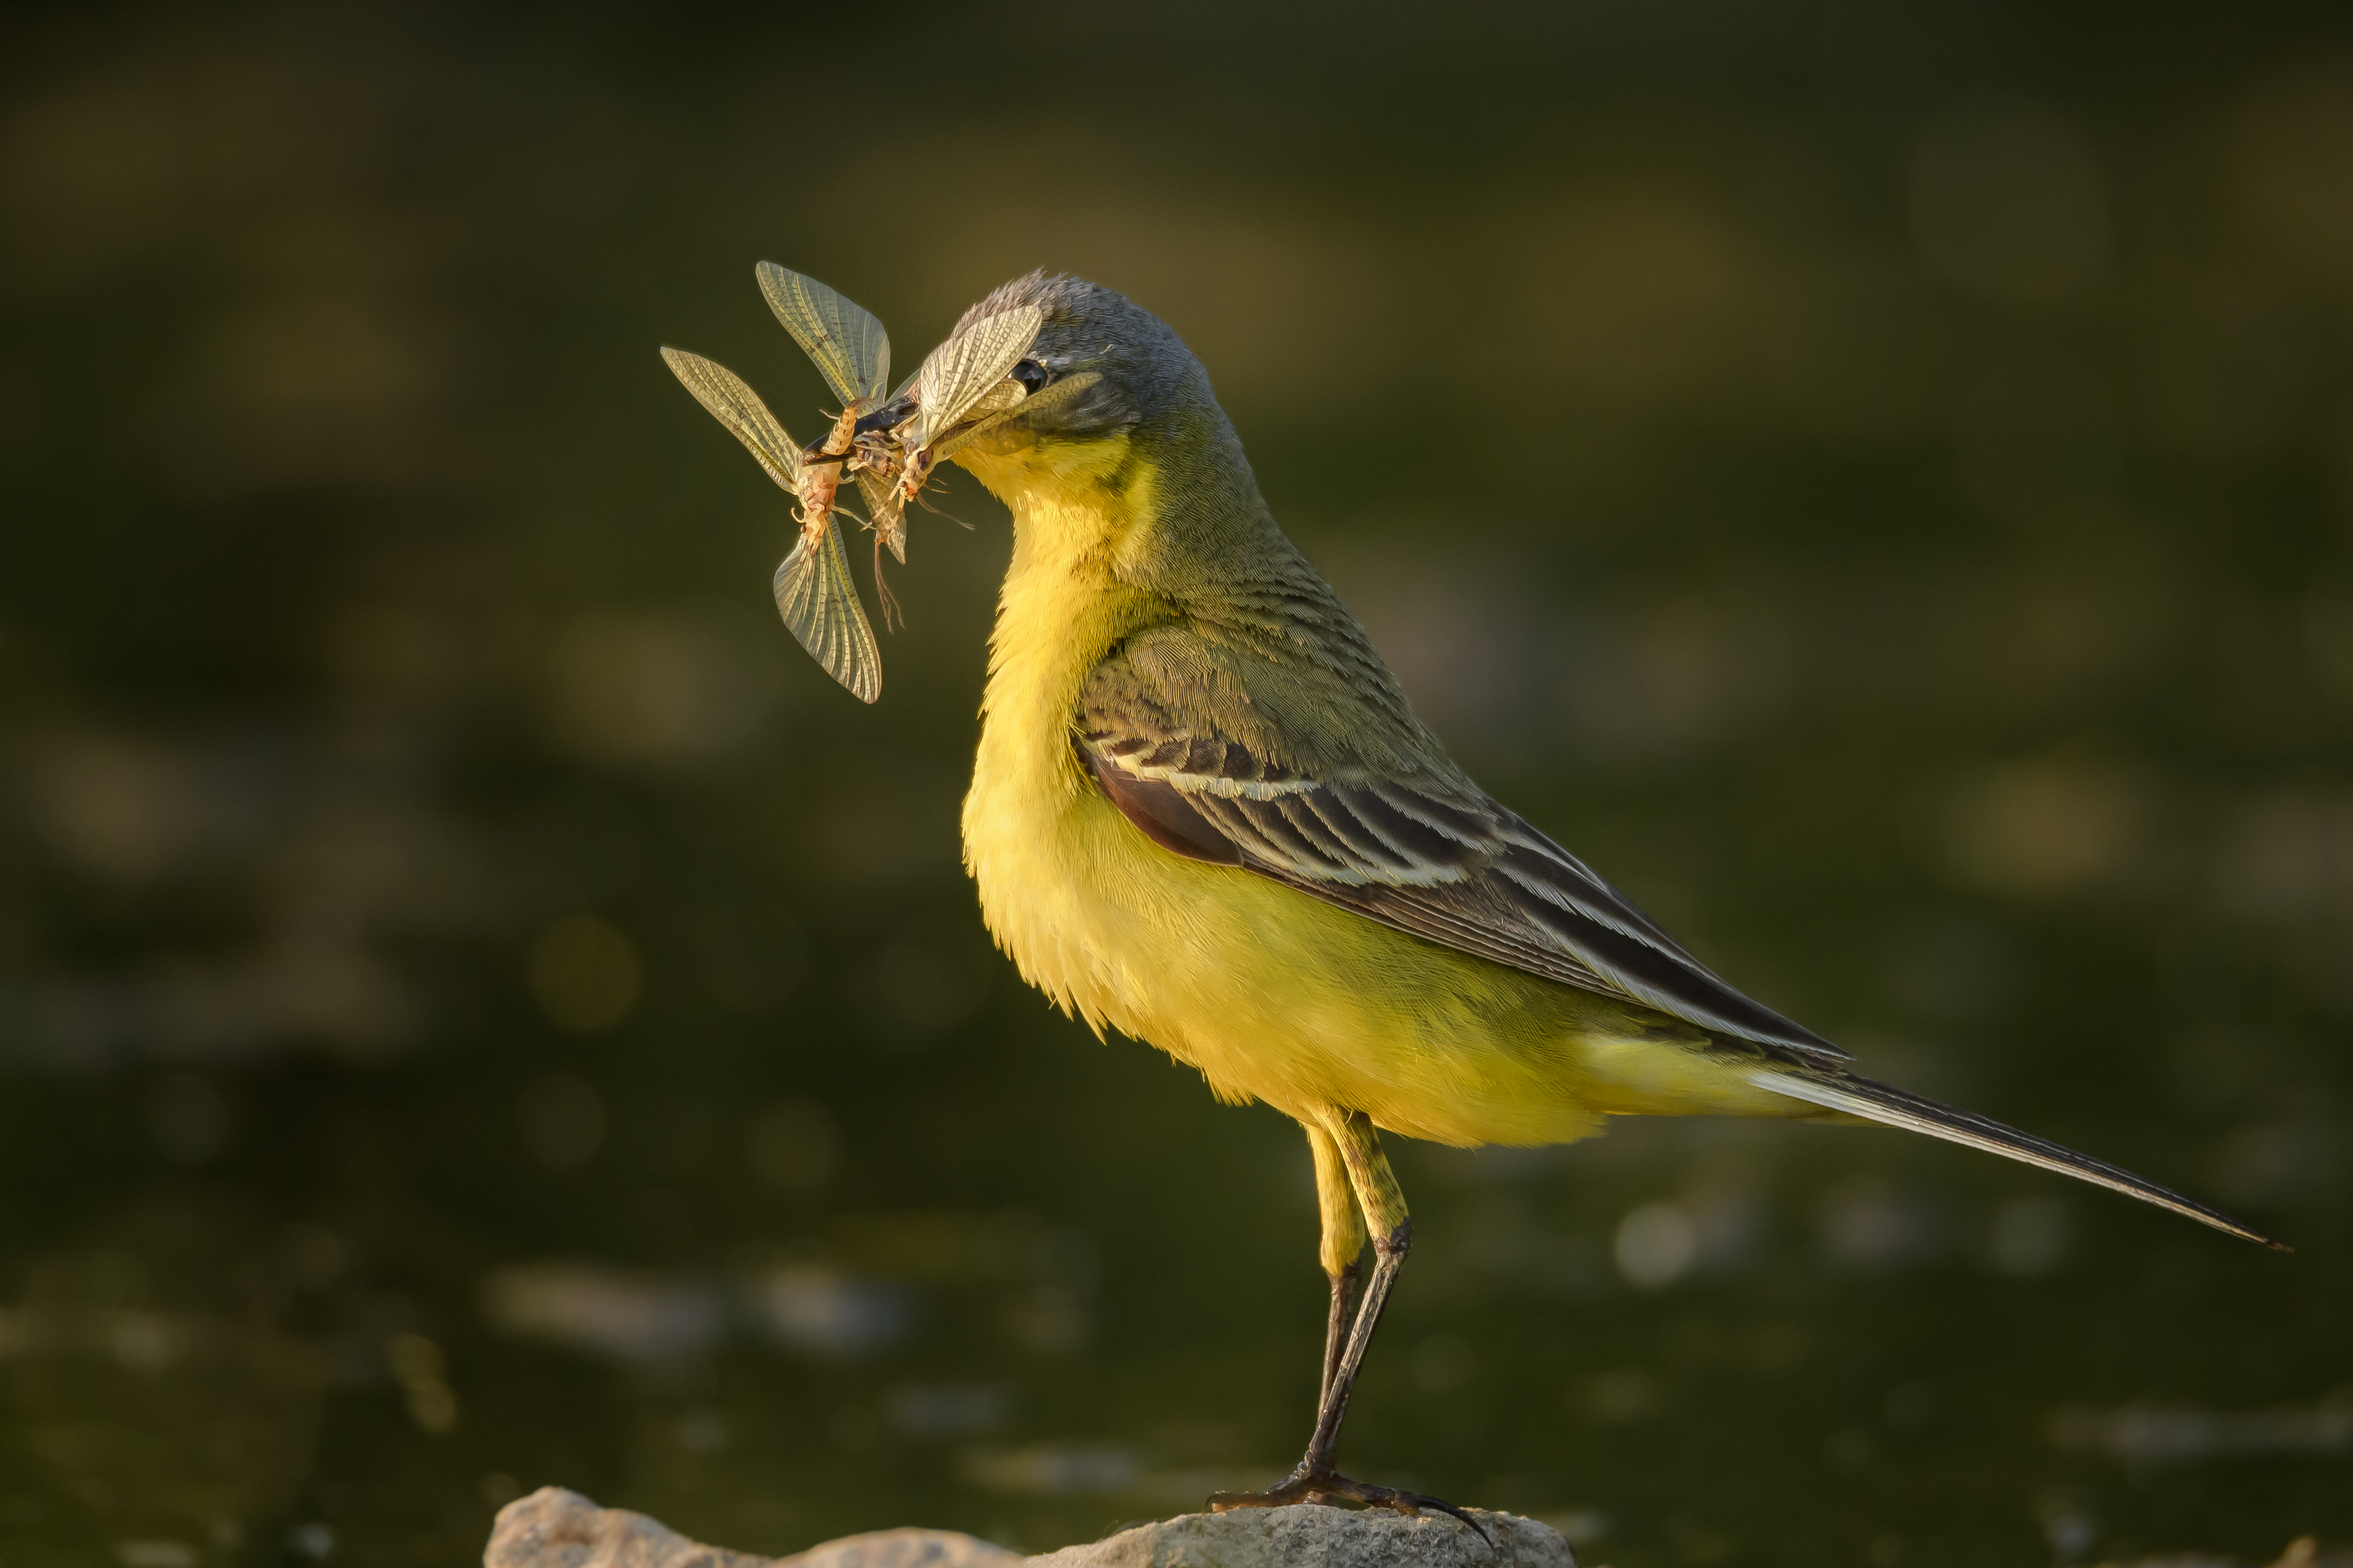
(1273, 994)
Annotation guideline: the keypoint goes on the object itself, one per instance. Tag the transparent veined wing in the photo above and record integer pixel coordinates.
(738, 407)
(875, 488)
(1060, 394)
(994, 401)
(964, 369)
(886, 511)
(852, 350)
(815, 596)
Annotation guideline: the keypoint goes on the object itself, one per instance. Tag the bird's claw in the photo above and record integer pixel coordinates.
(1305, 1486)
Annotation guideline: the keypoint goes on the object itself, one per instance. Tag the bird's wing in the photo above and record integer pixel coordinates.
(1221, 756)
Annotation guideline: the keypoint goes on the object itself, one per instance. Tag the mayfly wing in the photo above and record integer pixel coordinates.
(996, 400)
(873, 487)
(852, 350)
(1060, 394)
(738, 407)
(813, 591)
(886, 511)
(966, 367)
(815, 596)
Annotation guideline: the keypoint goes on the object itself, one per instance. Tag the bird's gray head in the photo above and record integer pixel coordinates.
(1146, 374)
(1136, 420)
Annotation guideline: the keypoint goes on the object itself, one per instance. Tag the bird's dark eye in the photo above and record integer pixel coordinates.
(1031, 375)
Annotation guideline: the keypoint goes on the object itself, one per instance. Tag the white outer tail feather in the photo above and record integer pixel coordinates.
(1894, 1108)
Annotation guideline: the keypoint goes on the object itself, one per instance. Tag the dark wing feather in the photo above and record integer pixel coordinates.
(1434, 859)
(1265, 753)
(1162, 814)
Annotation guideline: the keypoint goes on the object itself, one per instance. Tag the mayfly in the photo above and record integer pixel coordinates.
(965, 377)
(1009, 399)
(996, 408)
(814, 593)
(852, 351)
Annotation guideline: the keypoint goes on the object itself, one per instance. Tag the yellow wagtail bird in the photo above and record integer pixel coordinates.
(1203, 815)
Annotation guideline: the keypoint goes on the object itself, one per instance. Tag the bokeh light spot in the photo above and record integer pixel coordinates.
(584, 973)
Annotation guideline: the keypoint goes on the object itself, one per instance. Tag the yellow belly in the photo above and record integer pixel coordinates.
(1273, 994)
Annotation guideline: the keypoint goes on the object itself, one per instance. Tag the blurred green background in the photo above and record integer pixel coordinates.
(478, 1008)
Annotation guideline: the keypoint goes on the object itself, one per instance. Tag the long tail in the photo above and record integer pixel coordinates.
(1894, 1108)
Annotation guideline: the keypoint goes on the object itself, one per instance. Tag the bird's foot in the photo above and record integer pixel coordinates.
(1325, 1485)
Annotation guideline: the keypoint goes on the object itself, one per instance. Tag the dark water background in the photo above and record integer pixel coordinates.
(479, 1009)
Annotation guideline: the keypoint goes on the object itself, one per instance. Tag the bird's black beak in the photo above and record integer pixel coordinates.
(883, 420)
(888, 417)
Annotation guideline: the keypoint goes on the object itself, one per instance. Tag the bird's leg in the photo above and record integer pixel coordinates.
(1335, 1330)
(1350, 1134)
(1383, 1202)
(1342, 1250)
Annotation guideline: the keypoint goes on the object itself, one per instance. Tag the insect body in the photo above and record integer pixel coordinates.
(955, 379)
(887, 444)
(813, 589)
(852, 351)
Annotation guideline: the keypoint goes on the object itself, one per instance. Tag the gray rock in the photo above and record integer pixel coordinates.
(1312, 1537)
(553, 1527)
(905, 1548)
(556, 1529)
